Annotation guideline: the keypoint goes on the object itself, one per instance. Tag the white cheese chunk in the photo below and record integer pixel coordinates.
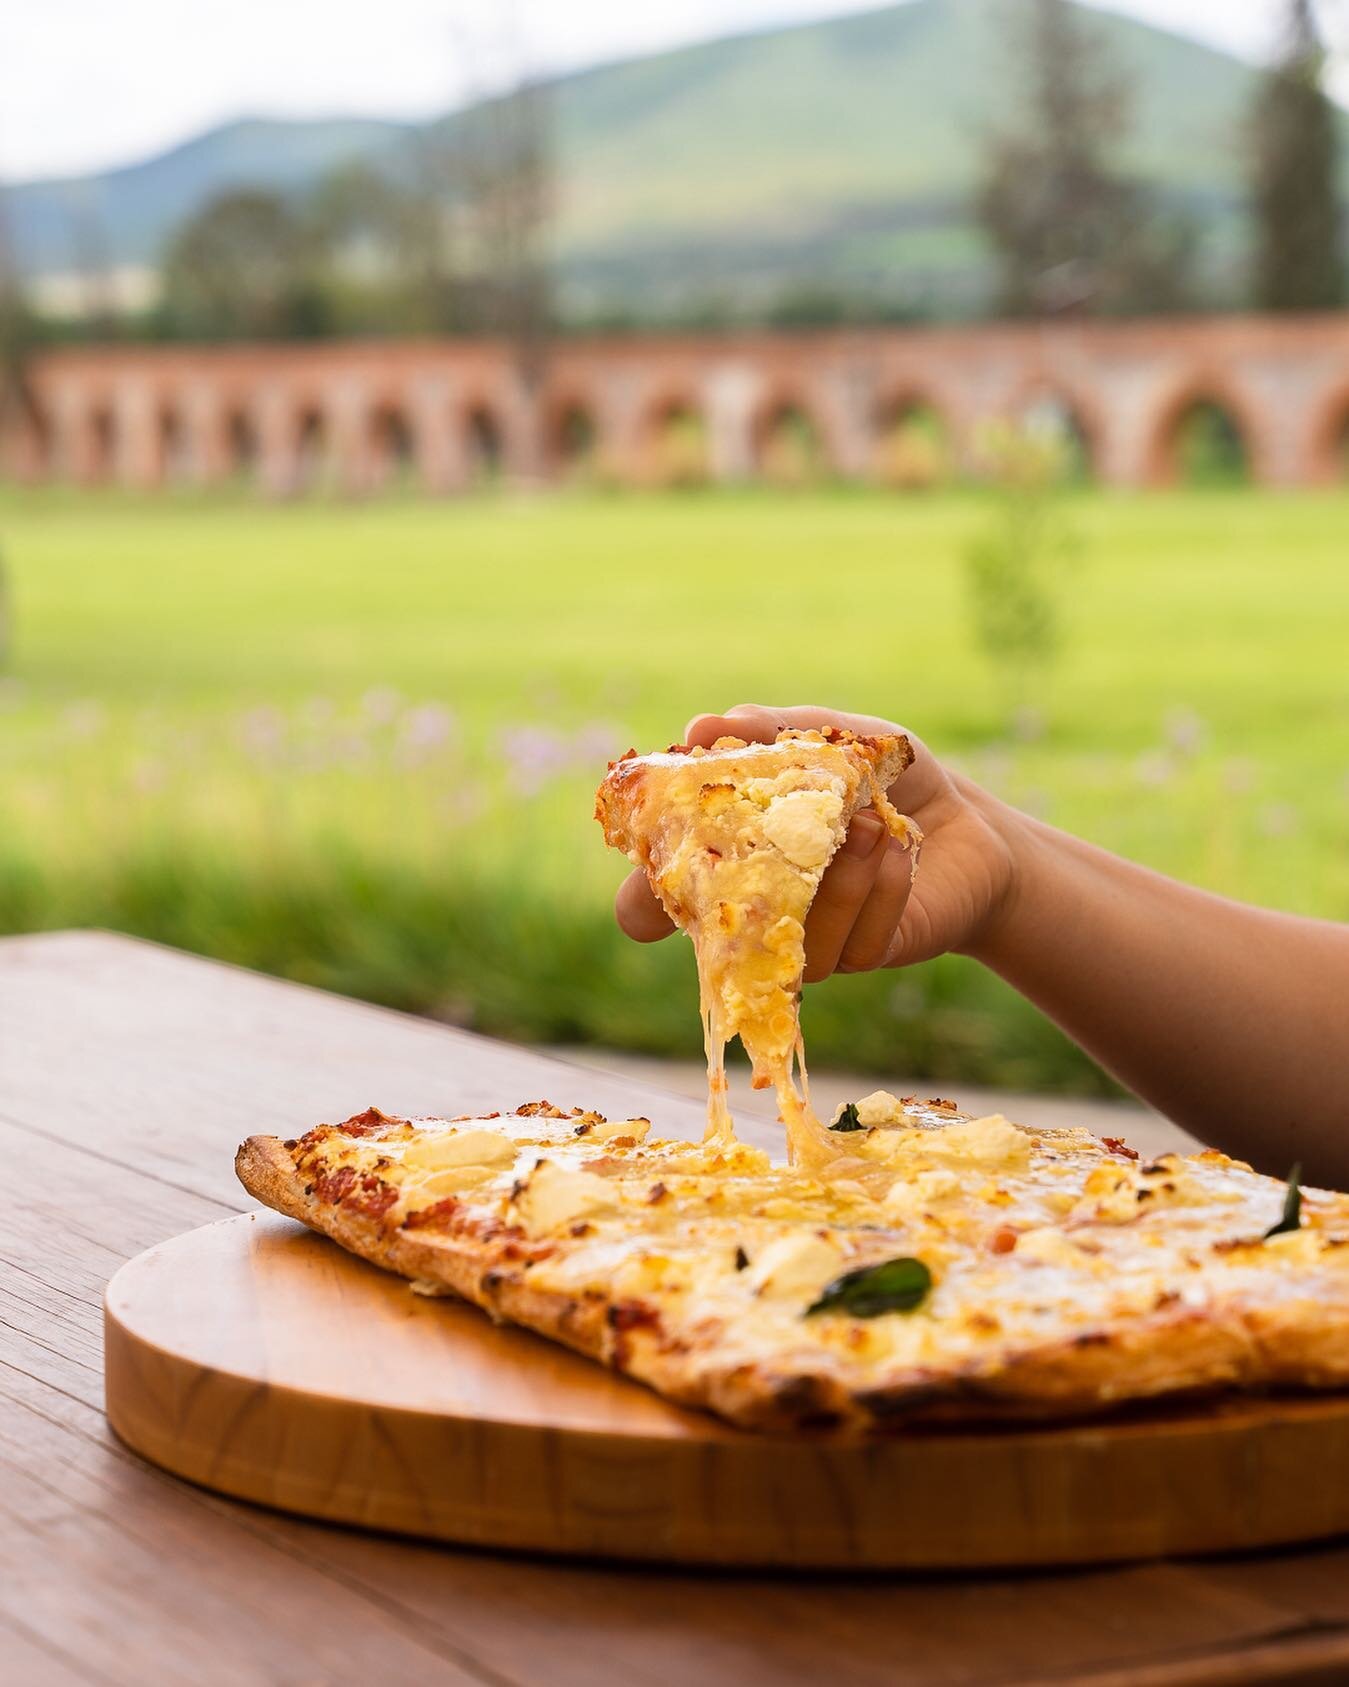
(803, 825)
(553, 1196)
(798, 1263)
(993, 1141)
(878, 1108)
(459, 1148)
(422, 1188)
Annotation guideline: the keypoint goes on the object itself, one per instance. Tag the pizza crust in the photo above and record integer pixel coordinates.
(266, 1169)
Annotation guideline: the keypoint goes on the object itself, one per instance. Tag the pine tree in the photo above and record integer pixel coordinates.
(1070, 229)
(1298, 259)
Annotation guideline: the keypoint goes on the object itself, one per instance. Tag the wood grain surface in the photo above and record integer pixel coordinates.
(261, 1360)
(113, 1572)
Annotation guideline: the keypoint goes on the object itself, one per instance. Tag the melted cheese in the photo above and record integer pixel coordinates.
(908, 1198)
(735, 841)
(1297, 1247)
(1047, 1246)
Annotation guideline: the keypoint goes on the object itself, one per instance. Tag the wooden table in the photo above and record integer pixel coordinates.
(114, 1053)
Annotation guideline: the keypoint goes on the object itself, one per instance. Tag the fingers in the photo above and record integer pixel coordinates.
(865, 890)
(754, 724)
(867, 945)
(638, 911)
(761, 723)
(843, 891)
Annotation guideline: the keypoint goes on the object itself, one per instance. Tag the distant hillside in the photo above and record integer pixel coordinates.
(834, 155)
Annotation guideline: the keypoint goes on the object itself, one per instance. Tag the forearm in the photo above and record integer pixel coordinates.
(1234, 1021)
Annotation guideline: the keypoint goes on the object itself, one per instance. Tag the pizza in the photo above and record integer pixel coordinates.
(991, 1271)
(908, 1263)
(735, 840)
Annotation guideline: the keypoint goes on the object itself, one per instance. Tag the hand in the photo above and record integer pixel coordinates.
(871, 909)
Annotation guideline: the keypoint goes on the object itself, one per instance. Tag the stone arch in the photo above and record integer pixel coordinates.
(1068, 423)
(103, 442)
(789, 440)
(572, 438)
(174, 456)
(1204, 434)
(484, 444)
(393, 446)
(313, 447)
(241, 444)
(913, 439)
(675, 449)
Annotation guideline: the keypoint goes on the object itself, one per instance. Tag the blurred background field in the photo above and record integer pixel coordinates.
(401, 420)
(357, 744)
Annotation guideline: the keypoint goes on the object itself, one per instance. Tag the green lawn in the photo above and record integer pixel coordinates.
(357, 744)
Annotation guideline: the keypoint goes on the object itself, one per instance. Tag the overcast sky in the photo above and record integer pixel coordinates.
(85, 84)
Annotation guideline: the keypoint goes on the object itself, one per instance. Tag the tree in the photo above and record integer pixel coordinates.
(1071, 231)
(19, 409)
(384, 238)
(502, 161)
(452, 235)
(245, 267)
(1017, 568)
(1298, 260)
(89, 239)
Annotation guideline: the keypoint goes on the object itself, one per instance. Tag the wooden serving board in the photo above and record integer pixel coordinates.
(261, 1360)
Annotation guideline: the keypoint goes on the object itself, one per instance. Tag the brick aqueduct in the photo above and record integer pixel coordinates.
(444, 414)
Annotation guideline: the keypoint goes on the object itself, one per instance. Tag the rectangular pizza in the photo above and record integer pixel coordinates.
(993, 1270)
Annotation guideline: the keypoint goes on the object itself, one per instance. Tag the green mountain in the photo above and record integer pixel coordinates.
(127, 215)
(839, 155)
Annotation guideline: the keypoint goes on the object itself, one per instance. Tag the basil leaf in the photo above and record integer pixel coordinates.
(896, 1285)
(1292, 1206)
(848, 1120)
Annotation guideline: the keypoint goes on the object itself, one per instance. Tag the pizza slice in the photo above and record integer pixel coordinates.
(1003, 1271)
(735, 840)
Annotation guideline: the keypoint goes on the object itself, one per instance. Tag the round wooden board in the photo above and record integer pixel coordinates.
(261, 1360)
